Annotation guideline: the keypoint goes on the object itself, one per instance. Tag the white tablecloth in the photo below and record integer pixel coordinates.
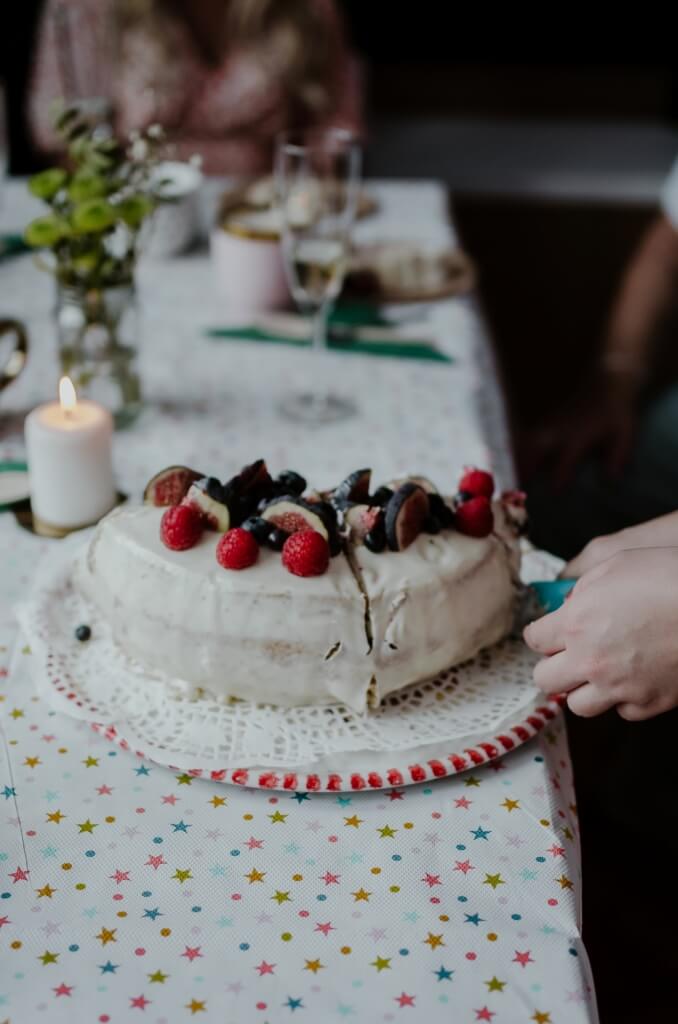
(130, 892)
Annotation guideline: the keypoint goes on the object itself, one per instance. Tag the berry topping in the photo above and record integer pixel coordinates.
(170, 485)
(290, 514)
(381, 496)
(477, 483)
(405, 515)
(206, 497)
(83, 633)
(431, 525)
(475, 517)
(375, 540)
(259, 528)
(355, 488)
(181, 527)
(306, 553)
(276, 539)
(361, 519)
(237, 549)
(290, 482)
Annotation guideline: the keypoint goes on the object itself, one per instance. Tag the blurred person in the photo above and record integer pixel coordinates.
(611, 459)
(223, 77)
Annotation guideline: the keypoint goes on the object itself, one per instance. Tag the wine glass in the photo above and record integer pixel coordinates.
(317, 177)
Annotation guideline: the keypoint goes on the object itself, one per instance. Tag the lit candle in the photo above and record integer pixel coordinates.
(68, 445)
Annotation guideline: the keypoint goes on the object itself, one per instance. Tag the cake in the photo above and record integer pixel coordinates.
(262, 590)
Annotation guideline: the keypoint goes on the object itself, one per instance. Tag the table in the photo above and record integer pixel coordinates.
(129, 892)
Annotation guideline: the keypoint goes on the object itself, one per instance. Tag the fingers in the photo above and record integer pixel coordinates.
(589, 700)
(546, 635)
(637, 712)
(556, 674)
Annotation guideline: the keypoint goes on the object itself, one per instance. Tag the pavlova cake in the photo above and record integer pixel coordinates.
(261, 589)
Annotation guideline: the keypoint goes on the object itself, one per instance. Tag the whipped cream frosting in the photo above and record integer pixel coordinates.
(370, 625)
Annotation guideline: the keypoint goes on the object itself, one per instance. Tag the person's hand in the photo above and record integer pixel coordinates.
(655, 533)
(614, 642)
(602, 418)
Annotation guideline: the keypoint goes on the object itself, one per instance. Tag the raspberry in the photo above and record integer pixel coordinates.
(237, 549)
(474, 517)
(180, 527)
(306, 553)
(477, 482)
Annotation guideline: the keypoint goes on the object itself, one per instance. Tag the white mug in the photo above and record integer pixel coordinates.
(248, 265)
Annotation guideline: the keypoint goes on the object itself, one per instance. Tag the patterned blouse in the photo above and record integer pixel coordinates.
(228, 113)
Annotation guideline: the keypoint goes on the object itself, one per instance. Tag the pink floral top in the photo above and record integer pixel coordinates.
(229, 114)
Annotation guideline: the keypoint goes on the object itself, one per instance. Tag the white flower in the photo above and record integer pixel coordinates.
(155, 131)
(139, 149)
(196, 160)
(117, 244)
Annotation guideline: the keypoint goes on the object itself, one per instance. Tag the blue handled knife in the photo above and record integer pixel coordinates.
(539, 599)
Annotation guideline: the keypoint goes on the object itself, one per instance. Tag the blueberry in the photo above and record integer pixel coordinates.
(432, 525)
(463, 496)
(259, 528)
(375, 540)
(276, 539)
(381, 496)
(83, 633)
(291, 481)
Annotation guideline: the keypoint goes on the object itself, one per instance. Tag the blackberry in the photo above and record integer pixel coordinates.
(381, 496)
(291, 482)
(432, 525)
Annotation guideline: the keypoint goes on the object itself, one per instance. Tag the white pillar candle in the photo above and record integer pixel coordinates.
(68, 446)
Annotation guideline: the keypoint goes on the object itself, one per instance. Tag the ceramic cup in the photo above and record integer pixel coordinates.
(248, 264)
(175, 223)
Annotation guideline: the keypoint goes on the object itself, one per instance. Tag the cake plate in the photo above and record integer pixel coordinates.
(465, 717)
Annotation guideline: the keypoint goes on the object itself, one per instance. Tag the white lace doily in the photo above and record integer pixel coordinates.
(478, 709)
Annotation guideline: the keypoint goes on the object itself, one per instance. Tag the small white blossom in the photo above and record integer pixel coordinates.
(139, 149)
(155, 131)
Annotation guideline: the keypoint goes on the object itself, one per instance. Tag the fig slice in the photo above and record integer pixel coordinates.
(290, 515)
(362, 519)
(355, 488)
(255, 479)
(421, 481)
(202, 497)
(170, 486)
(405, 515)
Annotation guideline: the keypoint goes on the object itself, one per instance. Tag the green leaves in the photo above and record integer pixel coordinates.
(86, 185)
(46, 184)
(93, 216)
(135, 209)
(46, 232)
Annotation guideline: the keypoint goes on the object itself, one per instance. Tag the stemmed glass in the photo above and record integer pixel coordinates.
(317, 177)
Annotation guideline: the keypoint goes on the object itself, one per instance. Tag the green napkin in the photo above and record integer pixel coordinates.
(343, 319)
(11, 467)
(12, 245)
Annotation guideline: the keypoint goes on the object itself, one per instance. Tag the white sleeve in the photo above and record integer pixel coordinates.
(669, 196)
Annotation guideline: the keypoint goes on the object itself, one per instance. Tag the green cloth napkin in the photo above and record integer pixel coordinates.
(12, 245)
(11, 467)
(343, 316)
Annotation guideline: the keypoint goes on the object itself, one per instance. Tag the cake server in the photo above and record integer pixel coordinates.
(539, 599)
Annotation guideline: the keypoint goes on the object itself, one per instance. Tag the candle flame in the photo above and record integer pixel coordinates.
(67, 396)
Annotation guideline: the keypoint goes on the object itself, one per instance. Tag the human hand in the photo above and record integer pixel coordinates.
(614, 642)
(655, 533)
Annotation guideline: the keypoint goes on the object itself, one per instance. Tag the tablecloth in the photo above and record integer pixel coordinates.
(129, 892)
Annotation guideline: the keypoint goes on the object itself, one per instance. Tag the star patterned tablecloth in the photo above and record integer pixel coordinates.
(129, 892)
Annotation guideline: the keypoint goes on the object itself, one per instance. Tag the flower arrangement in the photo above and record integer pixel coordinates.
(98, 203)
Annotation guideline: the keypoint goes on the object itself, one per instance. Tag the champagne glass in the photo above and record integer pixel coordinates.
(317, 178)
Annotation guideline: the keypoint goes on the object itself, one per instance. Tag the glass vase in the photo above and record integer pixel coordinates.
(98, 345)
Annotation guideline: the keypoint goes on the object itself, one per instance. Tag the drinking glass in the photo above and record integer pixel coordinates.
(317, 177)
